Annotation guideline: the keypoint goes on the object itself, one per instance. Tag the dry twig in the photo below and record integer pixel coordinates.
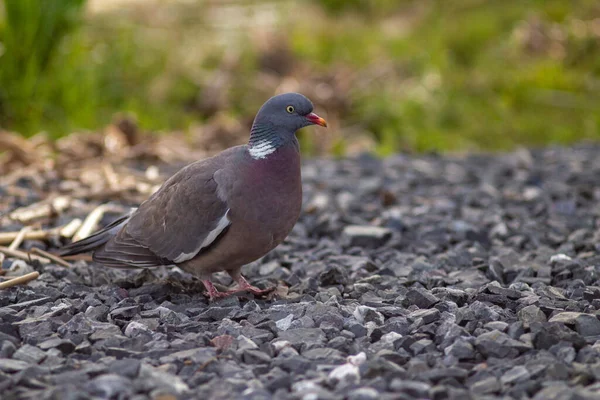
(20, 280)
(19, 238)
(111, 177)
(90, 223)
(9, 237)
(39, 210)
(20, 148)
(23, 255)
(66, 231)
(69, 229)
(79, 257)
(50, 257)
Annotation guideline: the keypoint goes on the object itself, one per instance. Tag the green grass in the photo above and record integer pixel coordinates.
(60, 72)
(490, 90)
(30, 74)
(413, 75)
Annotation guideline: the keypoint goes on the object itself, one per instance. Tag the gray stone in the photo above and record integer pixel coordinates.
(74, 377)
(251, 356)
(364, 314)
(585, 324)
(29, 354)
(421, 298)
(285, 323)
(151, 378)
(414, 389)
(515, 375)
(421, 345)
(364, 393)
(485, 386)
(110, 386)
(461, 349)
(304, 337)
(500, 345)
(243, 343)
(105, 331)
(27, 304)
(8, 365)
(494, 288)
(124, 312)
(357, 329)
(497, 325)
(557, 391)
(366, 235)
(136, 328)
(64, 345)
(197, 355)
(428, 315)
(7, 349)
(334, 275)
(127, 367)
(530, 314)
(331, 355)
(438, 374)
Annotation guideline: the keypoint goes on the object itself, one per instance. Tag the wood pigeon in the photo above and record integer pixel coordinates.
(219, 213)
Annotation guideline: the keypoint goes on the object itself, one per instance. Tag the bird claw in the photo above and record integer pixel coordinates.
(256, 291)
(243, 287)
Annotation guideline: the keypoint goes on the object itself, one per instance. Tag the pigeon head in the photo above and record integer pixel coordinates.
(278, 120)
(289, 112)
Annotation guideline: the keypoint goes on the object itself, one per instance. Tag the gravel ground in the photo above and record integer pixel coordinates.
(426, 277)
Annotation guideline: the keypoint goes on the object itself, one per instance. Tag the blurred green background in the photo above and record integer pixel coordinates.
(418, 75)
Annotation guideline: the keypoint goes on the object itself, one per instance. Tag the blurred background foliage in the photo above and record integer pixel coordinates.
(389, 75)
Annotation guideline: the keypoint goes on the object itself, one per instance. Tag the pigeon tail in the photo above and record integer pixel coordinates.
(96, 240)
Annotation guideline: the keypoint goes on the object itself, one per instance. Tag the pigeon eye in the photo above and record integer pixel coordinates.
(289, 109)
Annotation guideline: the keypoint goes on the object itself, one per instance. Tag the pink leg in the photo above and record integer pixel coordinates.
(211, 290)
(243, 286)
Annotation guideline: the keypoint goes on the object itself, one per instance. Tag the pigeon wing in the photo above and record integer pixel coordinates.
(186, 215)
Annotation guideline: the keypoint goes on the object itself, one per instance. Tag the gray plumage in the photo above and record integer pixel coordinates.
(219, 213)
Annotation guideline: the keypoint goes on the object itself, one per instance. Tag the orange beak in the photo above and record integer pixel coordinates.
(315, 119)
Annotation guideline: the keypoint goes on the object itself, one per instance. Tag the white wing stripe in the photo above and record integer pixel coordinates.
(212, 235)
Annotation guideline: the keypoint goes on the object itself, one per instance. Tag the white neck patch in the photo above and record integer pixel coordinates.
(262, 149)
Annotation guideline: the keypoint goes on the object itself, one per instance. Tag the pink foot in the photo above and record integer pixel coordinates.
(211, 291)
(243, 286)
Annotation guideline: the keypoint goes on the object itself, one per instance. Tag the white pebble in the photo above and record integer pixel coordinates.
(560, 257)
